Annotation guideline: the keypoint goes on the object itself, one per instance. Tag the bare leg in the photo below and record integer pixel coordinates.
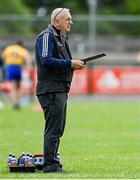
(15, 94)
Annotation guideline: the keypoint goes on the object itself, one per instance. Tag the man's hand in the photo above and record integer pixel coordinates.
(77, 64)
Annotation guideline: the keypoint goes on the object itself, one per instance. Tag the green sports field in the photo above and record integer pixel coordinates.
(101, 140)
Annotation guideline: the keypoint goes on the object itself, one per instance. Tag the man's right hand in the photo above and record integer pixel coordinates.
(77, 64)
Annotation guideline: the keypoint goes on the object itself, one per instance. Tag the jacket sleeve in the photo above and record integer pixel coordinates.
(45, 50)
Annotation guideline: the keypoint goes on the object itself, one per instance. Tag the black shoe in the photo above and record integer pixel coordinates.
(56, 170)
(60, 170)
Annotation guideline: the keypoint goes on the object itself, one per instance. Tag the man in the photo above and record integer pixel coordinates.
(54, 73)
(15, 56)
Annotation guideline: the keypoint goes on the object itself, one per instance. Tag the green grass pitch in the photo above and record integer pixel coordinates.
(101, 140)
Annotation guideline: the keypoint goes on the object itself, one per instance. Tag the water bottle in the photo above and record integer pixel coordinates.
(26, 159)
(9, 159)
(12, 161)
(21, 161)
(35, 161)
(40, 161)
(30, 160)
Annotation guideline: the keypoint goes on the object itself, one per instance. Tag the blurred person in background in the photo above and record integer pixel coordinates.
(15, 56)
(1, 79)
(54, 75)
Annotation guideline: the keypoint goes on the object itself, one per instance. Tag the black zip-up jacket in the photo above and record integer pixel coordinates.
(53, 59)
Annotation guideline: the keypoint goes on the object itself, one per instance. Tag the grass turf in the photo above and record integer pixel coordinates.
(101, 140)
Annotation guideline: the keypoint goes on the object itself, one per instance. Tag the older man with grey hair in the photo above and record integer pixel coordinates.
(55, 68)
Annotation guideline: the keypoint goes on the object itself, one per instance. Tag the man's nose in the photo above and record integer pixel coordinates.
(71, 22)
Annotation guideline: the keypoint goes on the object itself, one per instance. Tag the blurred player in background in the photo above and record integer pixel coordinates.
(1, 79)
(15, 56)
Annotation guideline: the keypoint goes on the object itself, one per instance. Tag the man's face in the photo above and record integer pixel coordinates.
(65, 22)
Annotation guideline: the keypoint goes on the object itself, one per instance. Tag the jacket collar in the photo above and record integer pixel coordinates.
(54, 30)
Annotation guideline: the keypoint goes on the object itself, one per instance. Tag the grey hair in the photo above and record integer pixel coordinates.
(57, 12)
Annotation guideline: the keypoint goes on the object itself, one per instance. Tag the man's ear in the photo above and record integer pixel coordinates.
(57, 21)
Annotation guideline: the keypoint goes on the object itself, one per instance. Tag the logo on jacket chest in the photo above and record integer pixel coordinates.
(59, 43)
